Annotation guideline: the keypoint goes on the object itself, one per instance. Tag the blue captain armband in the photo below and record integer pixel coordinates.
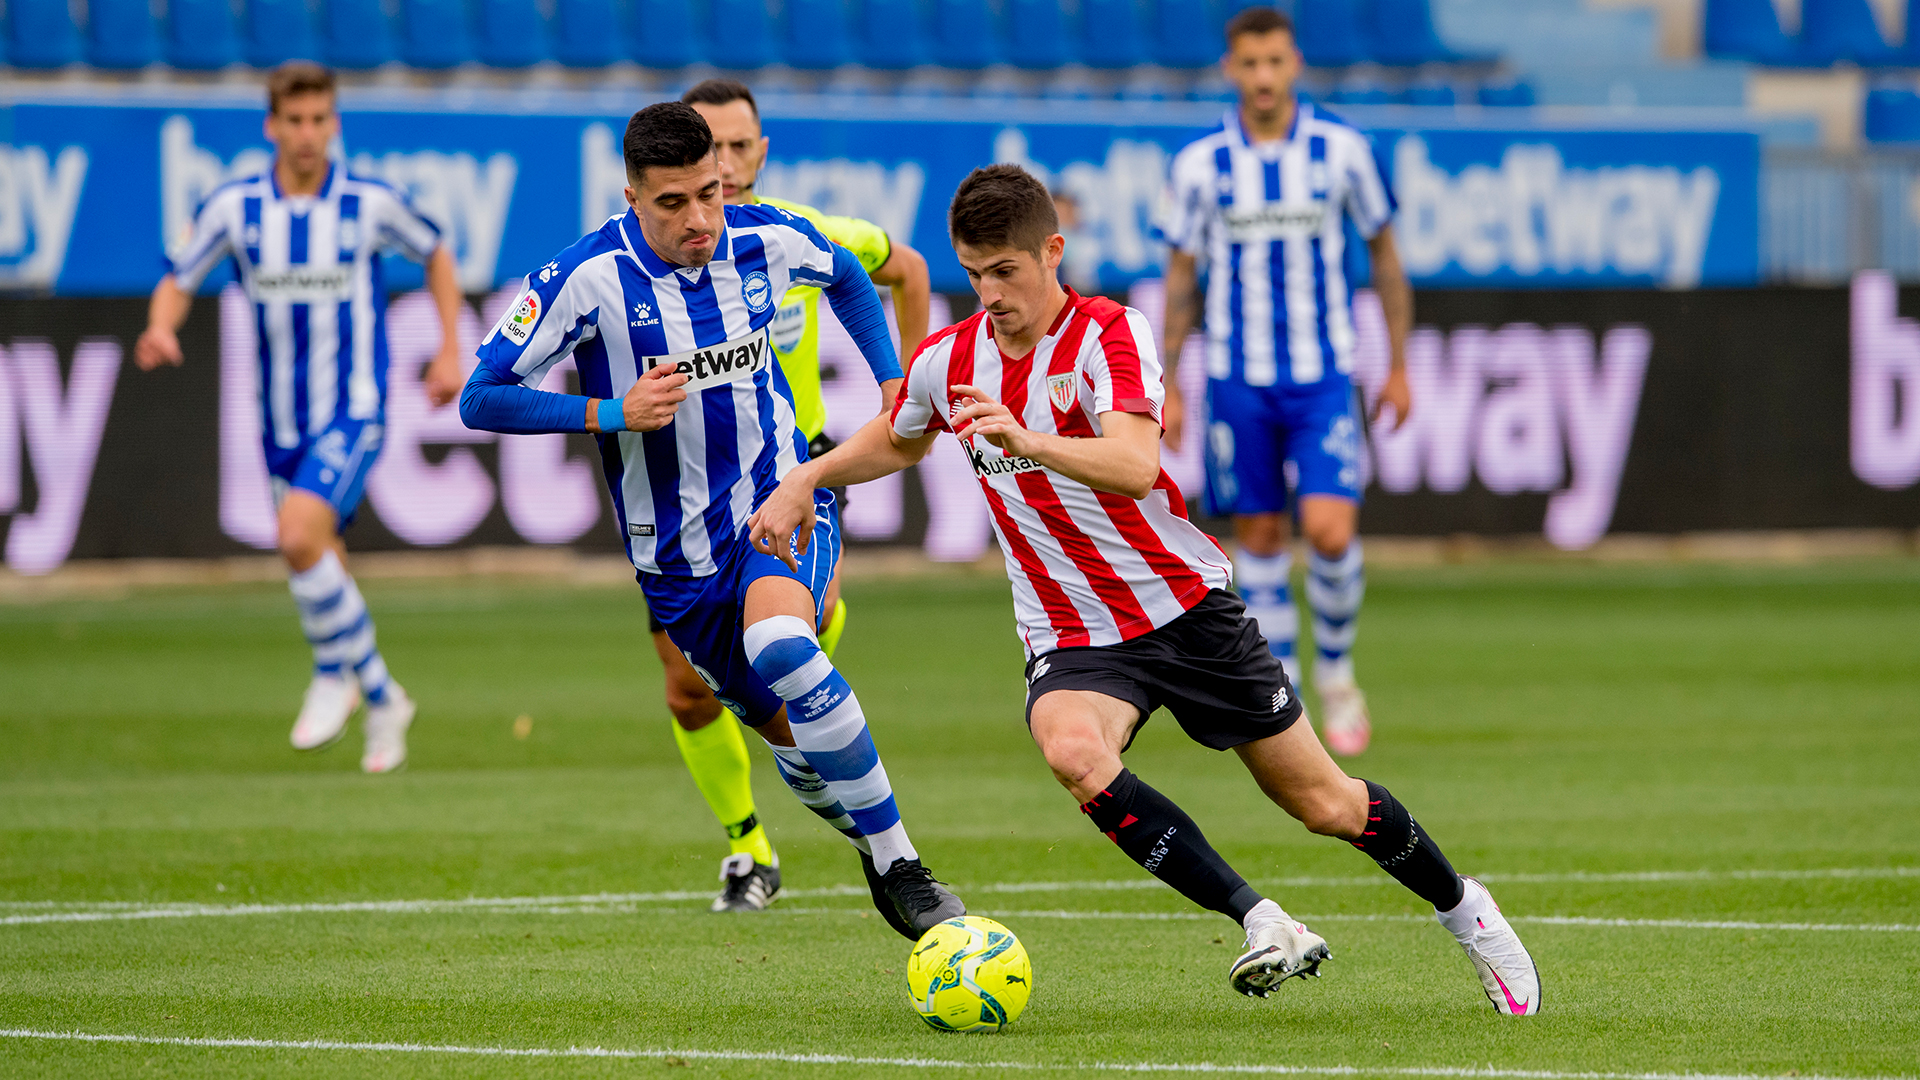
(612, 414)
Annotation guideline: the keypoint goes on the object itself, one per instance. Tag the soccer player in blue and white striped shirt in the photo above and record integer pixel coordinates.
(307, 238)
(1263, 201)
(667, 312)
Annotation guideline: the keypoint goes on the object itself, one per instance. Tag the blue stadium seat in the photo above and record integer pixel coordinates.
(1506, 95)
(891, 36)
(741, 34)
(964, 35)
(1834, 30)
(279, 31)
(435, 33)
(1431, 94)
(1329, 32)
(815, 37)
(200, 35)
(1746, 30)
(587, 33)
(121, 34)
(357, 34)
(1111, 37)
(1892, 115)
(513, 34)
(40, 34)
(1184, 34)
(1362, 94)
(1401, 32)
(1037, 34)
(663, 34)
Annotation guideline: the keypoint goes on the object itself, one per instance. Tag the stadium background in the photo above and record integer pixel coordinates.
(1657, 246)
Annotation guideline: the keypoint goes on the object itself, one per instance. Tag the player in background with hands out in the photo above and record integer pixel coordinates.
(667, 312)
(1121, 602)
(1262, 203)
(307, 237)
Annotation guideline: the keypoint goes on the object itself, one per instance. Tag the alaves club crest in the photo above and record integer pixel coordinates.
(1062, 391)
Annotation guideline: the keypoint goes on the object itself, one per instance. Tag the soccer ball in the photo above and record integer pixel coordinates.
(969, 974)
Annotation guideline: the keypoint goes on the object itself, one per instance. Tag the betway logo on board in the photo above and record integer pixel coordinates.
(39, 195)
(1531, 214)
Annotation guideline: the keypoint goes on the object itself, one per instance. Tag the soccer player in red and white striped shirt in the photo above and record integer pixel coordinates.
(1122, 602)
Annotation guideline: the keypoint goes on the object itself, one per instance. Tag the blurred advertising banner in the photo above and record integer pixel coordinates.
(92, 190)
(1567, 413)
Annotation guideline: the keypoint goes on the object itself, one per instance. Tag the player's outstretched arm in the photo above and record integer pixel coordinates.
(160, 342)
(1396, 303)
(1125, 459)
(443, 282)
(876, 450)
(493, 401)
(905, 272)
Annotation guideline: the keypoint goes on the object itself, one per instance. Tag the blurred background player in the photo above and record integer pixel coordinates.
(307, 237)
(709, 740)
(696, 427)
(1262, 201)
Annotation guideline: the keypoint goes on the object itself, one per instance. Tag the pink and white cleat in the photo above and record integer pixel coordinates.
(1344, 720)
(387, 725)
(1278, 949)
(330, 701)
(1506, 969)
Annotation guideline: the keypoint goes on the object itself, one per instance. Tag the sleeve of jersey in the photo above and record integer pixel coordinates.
(207, 244)
(914, 412)
(850, 293)
(1370, 199)
(406, 229)
(1125, 368)
(535, 333)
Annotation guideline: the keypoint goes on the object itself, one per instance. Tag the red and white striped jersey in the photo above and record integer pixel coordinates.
(1088, 567)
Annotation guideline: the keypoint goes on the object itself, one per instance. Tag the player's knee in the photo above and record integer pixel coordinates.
(693, 705)
(1074, 753)
(1330, 538)
(1333, 811)
(301, 545)
(1261, 535)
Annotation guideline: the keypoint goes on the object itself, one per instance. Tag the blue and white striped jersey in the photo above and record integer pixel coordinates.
(1266, 221)
(683, 493)
(311, 265)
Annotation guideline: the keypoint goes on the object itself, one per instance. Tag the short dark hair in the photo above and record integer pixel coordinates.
(1257, 20)
(668, 134)
(720, 92)
(296, 77)
(1002, 206)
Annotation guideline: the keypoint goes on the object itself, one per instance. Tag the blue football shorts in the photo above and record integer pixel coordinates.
(705, 617)
(332, 465)
(1261, 440)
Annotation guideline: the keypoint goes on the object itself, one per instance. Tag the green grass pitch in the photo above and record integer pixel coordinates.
(1689, 750)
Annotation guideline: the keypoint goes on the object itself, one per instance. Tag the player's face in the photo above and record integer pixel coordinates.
(1263, 68)
(736, 135)
(1015, 287)
(301, 129)
(680, 210)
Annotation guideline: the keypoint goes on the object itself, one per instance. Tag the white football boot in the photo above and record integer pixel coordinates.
(1278, 949)
(1505, 967)
(387, 725)
(1343, 716)
(330, 700)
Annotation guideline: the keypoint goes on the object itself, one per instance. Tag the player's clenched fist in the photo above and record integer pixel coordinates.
(157, 345)
(783, 526)
(654, 398)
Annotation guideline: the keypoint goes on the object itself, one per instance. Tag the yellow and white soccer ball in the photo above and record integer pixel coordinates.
(969, 974)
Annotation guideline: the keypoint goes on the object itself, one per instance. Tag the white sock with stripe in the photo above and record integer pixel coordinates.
(830, 730)
(334, 616)
(1335, 588)
(1265, 585)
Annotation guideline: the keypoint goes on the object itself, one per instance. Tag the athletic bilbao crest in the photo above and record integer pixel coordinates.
(1062, 391)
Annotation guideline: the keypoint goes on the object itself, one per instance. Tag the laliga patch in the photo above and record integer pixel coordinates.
(757, 291)
(1062, 391)
(523, 318)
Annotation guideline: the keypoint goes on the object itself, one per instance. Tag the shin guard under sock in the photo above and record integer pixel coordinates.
(1162, 838)
(1402, 848)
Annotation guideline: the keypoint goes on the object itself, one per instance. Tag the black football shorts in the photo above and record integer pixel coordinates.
(1210, 668)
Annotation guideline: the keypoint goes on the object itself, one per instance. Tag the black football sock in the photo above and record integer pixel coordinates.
(1402, 848)
(1162, 838)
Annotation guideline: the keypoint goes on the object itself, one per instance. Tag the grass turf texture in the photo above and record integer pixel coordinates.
(1539, 720)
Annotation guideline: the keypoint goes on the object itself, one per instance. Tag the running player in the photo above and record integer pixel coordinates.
(307, 237)
(715, 753)
(667, 311)
(1122, 603)
(1262, 200)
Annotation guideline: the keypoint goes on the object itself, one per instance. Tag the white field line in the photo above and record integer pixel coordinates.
(1445, 1071)
(169, 909)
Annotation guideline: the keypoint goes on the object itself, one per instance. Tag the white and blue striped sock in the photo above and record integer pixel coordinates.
(814, 793)
(334, 617)
(830, 730)
(1335, 588)
(1265, 585)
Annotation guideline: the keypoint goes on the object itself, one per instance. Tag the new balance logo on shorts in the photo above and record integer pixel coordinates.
(1280, 699)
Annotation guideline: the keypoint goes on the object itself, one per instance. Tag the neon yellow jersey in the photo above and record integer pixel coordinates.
(796, 326)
